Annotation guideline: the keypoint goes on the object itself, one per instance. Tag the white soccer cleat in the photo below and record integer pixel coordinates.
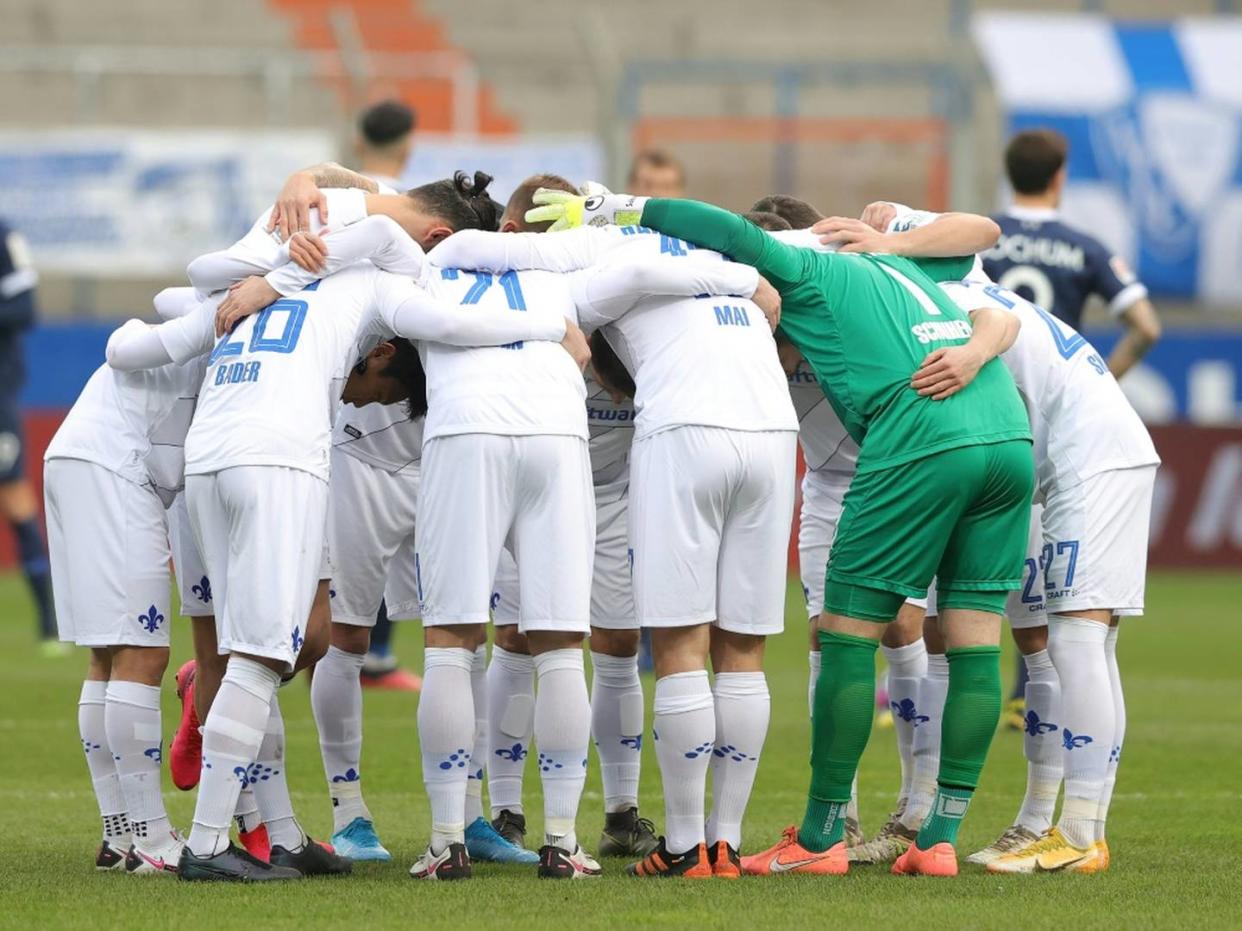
(558, 863)
(453, 862)
(146, 859)
(1015, 838)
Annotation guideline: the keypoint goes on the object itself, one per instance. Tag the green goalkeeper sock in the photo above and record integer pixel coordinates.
(844, 700)
(971, 711)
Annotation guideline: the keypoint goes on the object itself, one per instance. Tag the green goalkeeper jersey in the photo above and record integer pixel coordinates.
(865, 323)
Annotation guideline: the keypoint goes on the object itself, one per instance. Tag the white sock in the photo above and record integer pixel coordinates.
(1088, 720)
(232, 735)
(478, 752)
(511, 719)
(617, 727)
(562, 734)
(1119, 735)
(336, 701)
(926, 745)
(813, 661)
(102, 767)
(132, 719)
(246, 814)
(1041, 743)
(446, 735)
(907, 665)
(684, 728)
(271, 785)
(742, 710)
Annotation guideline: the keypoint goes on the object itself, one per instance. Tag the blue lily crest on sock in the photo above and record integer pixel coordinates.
(634, 743)
(1035, 727)
(513, 754)
(906, 711)
(350, 775)
(1073, 741)
(154, 753)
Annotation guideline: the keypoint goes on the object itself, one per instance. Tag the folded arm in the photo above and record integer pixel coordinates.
(605, 292)
(566, 251)
(136, 345)
(377, 238)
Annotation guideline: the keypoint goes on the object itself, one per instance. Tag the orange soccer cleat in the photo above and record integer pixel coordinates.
(185, 756)
(693, 864)
(726, 864)
(938, 860)
(789, 856)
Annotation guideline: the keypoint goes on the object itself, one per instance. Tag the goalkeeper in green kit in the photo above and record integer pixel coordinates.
(943, 490)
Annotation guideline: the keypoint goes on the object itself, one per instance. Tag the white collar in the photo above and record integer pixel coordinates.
(1036, 214)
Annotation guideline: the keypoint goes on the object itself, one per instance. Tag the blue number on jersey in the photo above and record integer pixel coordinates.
(509, 283)
(259, 342)
(672, 246)
(1067, 346)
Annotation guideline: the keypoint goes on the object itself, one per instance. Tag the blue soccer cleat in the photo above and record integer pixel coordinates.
(484, 843)
(358, 841)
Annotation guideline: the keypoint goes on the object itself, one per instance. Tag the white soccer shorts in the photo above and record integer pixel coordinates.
(193, 583)
(1095, 542)
(371, 535)
(710, 513)
(612, 591)
(822, 497)
(261, 531)
(1025, 607)
(482, 492)
(108, 544)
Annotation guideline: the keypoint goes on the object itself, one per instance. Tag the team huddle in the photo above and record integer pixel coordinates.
(577, 415)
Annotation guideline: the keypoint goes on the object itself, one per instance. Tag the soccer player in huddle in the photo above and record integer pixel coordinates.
(959, 472)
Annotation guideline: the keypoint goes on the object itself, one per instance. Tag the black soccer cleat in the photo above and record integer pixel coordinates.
(511, 825)
(558, 863)
(233, 864)
(108, 857)
(693, 864)
(627, 835)
(312, 860)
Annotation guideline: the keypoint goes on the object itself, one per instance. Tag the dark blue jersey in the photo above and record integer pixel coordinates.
(1057, 267)
(17, 308)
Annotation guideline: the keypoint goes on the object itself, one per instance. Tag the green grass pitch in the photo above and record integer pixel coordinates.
(1175, 831)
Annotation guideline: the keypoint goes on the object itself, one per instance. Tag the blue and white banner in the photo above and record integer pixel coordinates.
(1153, 114)
(126, 202)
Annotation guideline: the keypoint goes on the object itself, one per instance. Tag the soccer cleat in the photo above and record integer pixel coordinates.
(511, 825)
(153, 860)
(185, 756)
(892, 841)
(693, 864)
(1050, 853)
(108, 858)
(853, 832)
(453, 862)
(726, 864)
(256, 842)
(1014, 839)
(625, 834)
(484, 842)
(311, 859)
(1014, 714)
(230, 865)
(789, 856)
(558, 863)
(394, 680)
(938, 860)
(1097, 861)
(358, 841)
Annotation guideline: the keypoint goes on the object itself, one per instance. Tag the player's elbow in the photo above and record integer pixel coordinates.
(1145, 327)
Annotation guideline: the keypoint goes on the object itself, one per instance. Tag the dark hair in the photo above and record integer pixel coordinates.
(767, 220)
(797, 213)
(657, 158)
(1033, 158)
(386, 122)
(609, 371)
(522, 199)
(406, 367)
(462, 203)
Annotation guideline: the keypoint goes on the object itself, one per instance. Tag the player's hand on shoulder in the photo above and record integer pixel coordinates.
(850, 235)
(878, 215)
(567, 211)
(308, 250)
(246, 297)
(575, 343)
(291, 212)
(768, 299)
(947, 371)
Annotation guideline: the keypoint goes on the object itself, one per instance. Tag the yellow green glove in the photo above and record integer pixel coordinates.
(567, 211)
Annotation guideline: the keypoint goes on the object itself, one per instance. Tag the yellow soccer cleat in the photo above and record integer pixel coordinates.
(1014, 714)
(1097, 862)
(1050, 853)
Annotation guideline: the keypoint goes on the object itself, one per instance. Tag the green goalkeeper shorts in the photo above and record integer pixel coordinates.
(959, 516)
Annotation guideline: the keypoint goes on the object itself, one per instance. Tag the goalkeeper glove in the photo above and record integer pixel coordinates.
(567, 211)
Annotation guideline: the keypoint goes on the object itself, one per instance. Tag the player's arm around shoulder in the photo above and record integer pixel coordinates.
(948, 370)
(137, 345)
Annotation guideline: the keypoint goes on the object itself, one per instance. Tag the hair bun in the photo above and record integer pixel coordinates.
(472, 187)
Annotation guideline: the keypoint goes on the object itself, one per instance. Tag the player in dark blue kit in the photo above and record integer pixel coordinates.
(1058, 267)
(18, 503)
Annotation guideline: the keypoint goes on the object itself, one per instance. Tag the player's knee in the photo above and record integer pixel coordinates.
(350, 638)
(1030, 639)
(614, 642)
(139, 664)
(545, 641)
(453, 636)
(509, 638)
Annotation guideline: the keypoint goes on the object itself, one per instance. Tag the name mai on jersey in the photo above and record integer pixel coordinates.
(1037, 250)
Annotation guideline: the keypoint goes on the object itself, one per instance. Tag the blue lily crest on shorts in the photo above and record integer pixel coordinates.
(151, 619)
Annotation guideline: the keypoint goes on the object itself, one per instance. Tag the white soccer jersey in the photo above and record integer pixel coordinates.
(382, 435)
(1081, 422)
(612, 434)
(708, 361)
(272, 385)
(826, 447)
